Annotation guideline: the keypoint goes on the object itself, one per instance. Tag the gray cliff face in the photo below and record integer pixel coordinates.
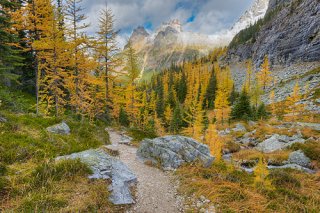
(292, 35)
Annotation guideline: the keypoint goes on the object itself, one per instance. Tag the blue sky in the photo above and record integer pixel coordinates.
(203, 16)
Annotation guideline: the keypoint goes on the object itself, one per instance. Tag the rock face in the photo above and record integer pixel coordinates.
(106, 167)
(299, 158)
(292, 34)
(62, 129)
(278, 142)
(172, 151)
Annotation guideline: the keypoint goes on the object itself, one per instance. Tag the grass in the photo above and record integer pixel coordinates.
(24, 137)
(30, 180)
(138, 135)
(232, 190)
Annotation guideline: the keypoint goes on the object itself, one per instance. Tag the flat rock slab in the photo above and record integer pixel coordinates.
(105, 166)
(172, 151)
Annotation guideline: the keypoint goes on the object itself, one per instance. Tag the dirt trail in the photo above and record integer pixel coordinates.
(155, 190)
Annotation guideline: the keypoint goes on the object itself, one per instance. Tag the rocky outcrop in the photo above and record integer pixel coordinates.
(278, 142)
(62, 129)
(106, 167)
(173, 151)
(291, 34)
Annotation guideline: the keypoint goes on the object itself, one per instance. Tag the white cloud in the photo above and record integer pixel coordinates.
(211, 15)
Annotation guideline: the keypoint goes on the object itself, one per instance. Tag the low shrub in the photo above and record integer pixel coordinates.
(3, 169)
(283, 179)
(311, 149)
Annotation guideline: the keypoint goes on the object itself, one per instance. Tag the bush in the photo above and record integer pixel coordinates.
(311, 149)
(238, 176)
(283, 179)
(3, 169)
(64, 169)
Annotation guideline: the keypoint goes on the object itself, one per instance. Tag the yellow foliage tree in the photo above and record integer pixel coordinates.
(294, 108)
(273, 104)
(222, 108)
(52, 55)
(264, 76)
(248, 82)
(214, 142)
(261, 172)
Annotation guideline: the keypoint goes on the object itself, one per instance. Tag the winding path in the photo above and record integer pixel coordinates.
(155, 190)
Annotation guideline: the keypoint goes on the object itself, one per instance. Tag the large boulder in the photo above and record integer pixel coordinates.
(299, 158)
(62, 129)
(172, 151)
(105, 166)
(278, 142)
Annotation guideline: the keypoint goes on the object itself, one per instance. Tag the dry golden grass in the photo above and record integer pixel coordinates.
(231, 190)
(252, 154)
(78, 194)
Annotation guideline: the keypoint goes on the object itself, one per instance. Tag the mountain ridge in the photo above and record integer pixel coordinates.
(171, 44)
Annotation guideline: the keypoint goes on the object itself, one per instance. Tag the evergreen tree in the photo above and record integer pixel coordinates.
(242, 109)
(123, 117)
(177, 120)
(9, 54)
(262, 112)
(211, 91)
(182, 88)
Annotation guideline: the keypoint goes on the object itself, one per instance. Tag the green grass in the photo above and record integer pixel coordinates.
(24, 137)
(138, 135)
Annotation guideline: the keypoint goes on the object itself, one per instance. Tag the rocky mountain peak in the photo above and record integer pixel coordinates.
(139, 34)
(174, 24)
(253, 14)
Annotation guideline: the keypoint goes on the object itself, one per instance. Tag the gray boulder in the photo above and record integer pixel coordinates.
(278, 142)
(106, 167)
(172, 151)
(299, 158)
(239, 128)
(62, 129)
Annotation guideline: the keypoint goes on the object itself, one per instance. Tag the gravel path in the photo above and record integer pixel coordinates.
(155, 189)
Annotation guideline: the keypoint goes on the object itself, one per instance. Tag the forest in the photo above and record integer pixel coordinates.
(52, 70)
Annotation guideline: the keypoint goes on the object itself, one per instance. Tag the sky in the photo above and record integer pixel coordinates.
(202, 16)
